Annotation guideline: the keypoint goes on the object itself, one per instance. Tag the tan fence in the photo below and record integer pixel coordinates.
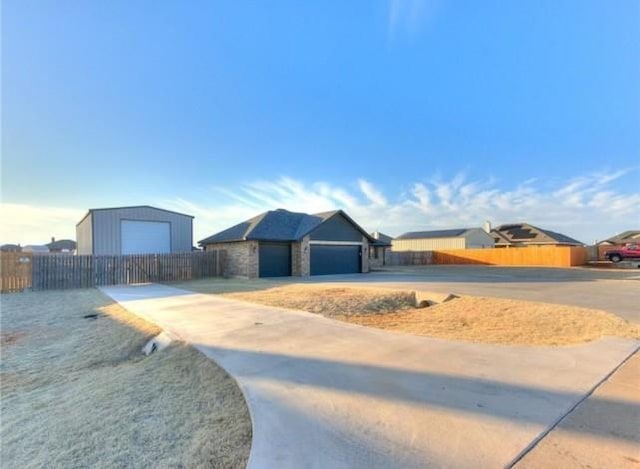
(529, 256)
(15, 271)
(62, 271)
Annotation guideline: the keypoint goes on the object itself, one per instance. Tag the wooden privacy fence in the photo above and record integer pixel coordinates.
(15, 271)
(558, 256)
(409, 258)
(62, 271)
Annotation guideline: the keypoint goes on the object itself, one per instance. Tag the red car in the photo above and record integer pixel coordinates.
(629, 251)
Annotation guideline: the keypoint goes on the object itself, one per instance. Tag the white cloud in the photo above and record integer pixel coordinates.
(438, 203)
(371, 193)
(409, 16)
(587, 207)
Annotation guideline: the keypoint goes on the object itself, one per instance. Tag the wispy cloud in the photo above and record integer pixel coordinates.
(371, 193)
(408, 16)
(587, 207)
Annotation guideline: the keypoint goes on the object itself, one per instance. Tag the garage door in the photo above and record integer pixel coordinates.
(145, 237)
(330, 259)
(275, 259)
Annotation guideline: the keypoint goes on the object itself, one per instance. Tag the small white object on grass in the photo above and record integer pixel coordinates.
(159, 342)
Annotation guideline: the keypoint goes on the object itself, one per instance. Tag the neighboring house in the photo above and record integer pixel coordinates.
(134, 230)
(67, 246)
(631, 236)
(525, 235)
(10, 248)
(598, 252)
(35, 249)
(280, 243)
(461, 238)
(379, 249)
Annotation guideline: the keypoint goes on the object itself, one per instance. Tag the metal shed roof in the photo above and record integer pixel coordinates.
(131, 206)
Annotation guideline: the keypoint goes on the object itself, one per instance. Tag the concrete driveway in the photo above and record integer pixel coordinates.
(328, 394)
(616, 291)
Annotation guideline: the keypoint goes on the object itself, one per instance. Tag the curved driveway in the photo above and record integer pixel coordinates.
(328, 394)
(613, 290)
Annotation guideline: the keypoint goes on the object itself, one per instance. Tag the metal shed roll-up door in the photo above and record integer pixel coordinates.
(275, 259)
(145, 237)
(335, 259)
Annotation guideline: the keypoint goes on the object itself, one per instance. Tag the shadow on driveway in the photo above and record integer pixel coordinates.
(424, 388)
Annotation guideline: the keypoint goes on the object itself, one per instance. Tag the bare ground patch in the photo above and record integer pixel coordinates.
(76, 391)
(475, 319)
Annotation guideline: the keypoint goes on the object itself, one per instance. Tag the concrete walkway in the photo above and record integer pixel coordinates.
(603, 431)
(327, 394)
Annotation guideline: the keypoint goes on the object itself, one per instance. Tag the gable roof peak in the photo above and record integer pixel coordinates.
(276, 225)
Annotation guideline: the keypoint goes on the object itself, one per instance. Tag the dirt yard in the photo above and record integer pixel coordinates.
(475, 319)
(77, 392)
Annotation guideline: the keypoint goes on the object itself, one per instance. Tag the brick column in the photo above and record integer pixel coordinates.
(253, 259)
(300, 258)
(365, 255)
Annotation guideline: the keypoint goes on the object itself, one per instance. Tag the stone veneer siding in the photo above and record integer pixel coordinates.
(241, 258)
(383, 256)
(300, 258)
(364, 255)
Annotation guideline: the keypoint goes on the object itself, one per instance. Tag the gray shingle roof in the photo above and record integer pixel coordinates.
(561, 238)
(454, 233)
(524, 233)
(381, 239)
(625, 237)
(275, 225)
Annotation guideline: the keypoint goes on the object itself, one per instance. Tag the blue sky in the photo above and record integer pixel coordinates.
(409, 114)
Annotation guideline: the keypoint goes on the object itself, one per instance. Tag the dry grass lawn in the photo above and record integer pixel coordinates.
(502, 321)
(77, 392)
(222, 285)
(330, 300)
(475, 319)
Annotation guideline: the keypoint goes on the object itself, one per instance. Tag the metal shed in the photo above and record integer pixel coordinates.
(462, 238)
(134, 230)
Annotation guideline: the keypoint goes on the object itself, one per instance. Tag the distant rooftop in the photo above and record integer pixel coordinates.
(628, 236)
(62, 245)
(524, 233)
(381, 239)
